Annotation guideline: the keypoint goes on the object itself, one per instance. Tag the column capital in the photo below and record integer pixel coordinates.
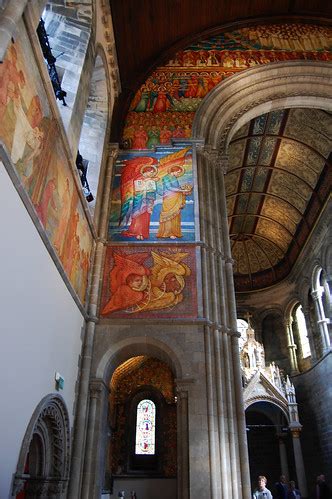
(113, 150)
(182, 386)
(97, 388)
(210, 154)
(295, 430)
(317, 293)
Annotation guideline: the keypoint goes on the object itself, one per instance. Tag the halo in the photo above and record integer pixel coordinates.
(178, 167)
(145, 166)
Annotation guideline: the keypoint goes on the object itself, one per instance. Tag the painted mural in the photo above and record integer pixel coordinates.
(149, 282)
(29, 132)
(164, 106)
(152, 196)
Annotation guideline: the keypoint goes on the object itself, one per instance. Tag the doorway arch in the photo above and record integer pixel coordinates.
(96, 444)
(43, 464)
(268, 437)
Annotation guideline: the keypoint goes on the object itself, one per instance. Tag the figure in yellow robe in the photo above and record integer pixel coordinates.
(174, 199)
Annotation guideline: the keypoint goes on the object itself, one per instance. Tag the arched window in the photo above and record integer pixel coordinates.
(145, 438)
(324, 294)
(302, 331)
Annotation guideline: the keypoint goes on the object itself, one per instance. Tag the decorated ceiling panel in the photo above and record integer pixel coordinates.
(276, 185)
(164, 107)
(277, 175)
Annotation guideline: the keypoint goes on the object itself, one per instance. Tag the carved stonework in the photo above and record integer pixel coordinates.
(272, 95)
(266, 383)
(50, 422)
(106, 19)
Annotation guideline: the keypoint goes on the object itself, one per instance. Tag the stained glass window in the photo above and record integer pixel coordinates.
(145, 428)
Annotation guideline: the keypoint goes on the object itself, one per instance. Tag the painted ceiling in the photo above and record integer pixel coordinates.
(279, 177)
(164, 106)
(278, 181)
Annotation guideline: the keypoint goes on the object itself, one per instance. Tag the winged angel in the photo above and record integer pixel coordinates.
(136, 288)
(142, 179)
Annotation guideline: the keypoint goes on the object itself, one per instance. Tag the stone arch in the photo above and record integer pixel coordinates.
(263, 89)
(124, 349)
(267, 419)
(269, 400)
(95, 123)
(289, 308)
(101, 375)
(327, 259)
(49, 430)
(69, 28)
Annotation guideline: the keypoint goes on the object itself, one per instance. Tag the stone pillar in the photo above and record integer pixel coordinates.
(321, 320)
(9, 19)
(227, 435)
(283, 455)
(93, 474)
(236, 381)
(82, 402)
(298, 458)
(182, 438)
(213, 382)
(291, 348)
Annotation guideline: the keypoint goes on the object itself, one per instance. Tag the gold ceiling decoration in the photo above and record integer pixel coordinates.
(276, 187)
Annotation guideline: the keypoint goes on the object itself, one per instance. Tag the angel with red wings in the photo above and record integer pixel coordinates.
(128, 282)
(142, 179)
(138, 195)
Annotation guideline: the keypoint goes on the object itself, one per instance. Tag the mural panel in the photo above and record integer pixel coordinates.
(152, 197)
(29, 132)
(164, 106)
(148, 282)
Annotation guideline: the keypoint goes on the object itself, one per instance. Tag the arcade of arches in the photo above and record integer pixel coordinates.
(166, 249)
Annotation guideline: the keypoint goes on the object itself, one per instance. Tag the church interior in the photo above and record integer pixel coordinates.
(166, 247)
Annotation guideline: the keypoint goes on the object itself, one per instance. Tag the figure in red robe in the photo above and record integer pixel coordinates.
(138, 195)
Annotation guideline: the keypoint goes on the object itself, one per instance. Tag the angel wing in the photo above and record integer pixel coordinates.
(174, 159)
(131, 172)
(124, 265)
(164, 263)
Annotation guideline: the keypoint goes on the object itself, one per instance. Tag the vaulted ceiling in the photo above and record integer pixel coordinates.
(280, 172)
(278, 181)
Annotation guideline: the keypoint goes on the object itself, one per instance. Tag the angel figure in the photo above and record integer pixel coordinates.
(167, 280)
(174, 195)
(128, 282)
(138, 195)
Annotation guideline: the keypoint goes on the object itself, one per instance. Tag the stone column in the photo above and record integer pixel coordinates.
(283, 455)
(9, 19)
(82, 404)
(93, 473)
(182, 438)
(291, 348)
(227, 435)
(298, 458)
(321, 320)
(213, 382)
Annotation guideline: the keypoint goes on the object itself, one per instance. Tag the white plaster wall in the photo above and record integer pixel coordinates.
(40, 328)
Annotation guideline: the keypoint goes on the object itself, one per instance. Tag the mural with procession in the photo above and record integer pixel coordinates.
(30, 134)
(164, 106)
